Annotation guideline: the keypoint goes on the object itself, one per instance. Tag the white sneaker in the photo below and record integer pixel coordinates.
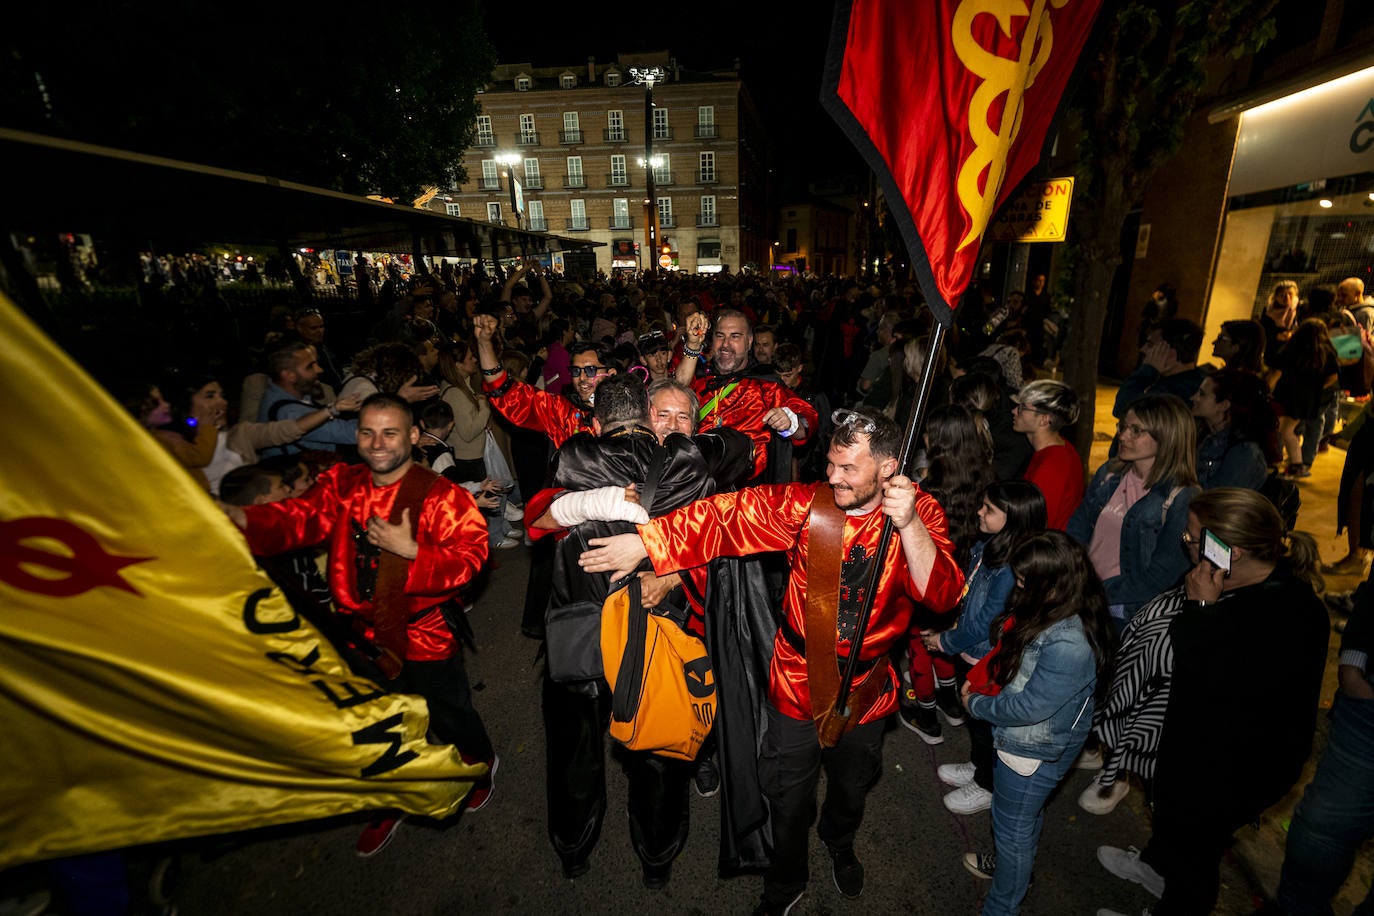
(514, 512)
(969, 799)
(509, 541)
(1096, 801)
(955, 774)
(1089, 760)
(1126, 864)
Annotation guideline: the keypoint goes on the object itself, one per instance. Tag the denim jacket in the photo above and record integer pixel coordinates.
(1152, 557)
(1047, 708)
(1221, 463)
(984, 598)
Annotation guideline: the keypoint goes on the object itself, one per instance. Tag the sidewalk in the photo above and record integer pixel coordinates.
(1259, 851)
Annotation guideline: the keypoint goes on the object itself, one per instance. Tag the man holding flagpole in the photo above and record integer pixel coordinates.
(831, 536)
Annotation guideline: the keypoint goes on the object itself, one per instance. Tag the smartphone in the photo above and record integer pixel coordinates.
(1216, 550)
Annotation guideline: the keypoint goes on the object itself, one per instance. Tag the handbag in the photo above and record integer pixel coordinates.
(664, 697)
(498, 470)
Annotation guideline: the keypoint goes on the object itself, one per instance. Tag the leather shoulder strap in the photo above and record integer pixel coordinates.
(824, 557)
(392, 610)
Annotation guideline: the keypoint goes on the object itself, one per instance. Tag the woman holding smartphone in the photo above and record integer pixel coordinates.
(1240, 666)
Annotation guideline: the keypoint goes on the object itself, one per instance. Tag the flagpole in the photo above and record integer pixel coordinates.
(913, 429)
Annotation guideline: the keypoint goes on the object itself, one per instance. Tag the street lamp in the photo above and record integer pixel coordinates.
(509, 160)
(647, 76)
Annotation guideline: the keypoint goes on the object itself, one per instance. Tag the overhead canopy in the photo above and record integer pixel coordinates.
(55, 185)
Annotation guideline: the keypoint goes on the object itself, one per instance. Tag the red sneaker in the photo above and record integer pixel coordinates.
(377, 834)
(484, 787)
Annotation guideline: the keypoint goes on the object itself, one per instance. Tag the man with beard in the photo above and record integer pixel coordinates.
(295, 374)
(557, 416)
(402, 542)
(813, 643)
(757, 405)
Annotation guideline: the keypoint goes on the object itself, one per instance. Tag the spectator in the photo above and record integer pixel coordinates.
(1241, 345)
(1307, 375)
(1168, 365)
(1242, 432)
(1043, 408)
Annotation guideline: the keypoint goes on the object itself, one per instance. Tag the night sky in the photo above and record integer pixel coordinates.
(781, 48)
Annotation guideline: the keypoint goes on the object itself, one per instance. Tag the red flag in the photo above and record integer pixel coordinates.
(949, 101)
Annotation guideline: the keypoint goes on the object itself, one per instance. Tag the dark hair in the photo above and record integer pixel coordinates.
(1310, 345)
(976, 391)
(290, 466)
(1248, 336)
(384, 400)
(603, 352)
(243, 485)
(1184, 337)
(884, 440)
(389, 365)
(435, 413)
(283, 358)
(1024, 506)
(1056, 581)
(1252, 417)
(786, 357)
(959, 448)
(621, 400)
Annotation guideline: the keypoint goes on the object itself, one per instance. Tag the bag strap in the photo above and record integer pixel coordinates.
(391, 608)
(824, 558)
(629, 683)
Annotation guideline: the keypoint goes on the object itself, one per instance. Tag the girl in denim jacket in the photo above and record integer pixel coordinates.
(1010, 512)
(1052, 648)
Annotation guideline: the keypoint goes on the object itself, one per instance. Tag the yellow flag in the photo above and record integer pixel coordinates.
(153, 682)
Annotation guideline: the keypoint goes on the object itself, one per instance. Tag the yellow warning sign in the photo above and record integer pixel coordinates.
(1040, 213)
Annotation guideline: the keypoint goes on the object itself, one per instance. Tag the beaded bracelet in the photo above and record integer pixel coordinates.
(494, 372)
(688, 351)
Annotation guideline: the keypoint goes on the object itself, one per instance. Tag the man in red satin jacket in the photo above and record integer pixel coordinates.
(862, 480)
(349, 508)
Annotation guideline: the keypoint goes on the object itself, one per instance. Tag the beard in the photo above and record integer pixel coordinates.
(853, 497)
(314, 390)
(385, 463)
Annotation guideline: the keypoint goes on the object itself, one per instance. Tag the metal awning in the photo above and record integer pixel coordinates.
(48, 184)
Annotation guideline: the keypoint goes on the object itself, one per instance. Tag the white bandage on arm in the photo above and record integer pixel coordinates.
(607, 504)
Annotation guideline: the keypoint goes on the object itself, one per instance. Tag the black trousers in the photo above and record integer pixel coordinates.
(789, 769)
(981, 749)
(1190, 837)
(575, 721)
(444, 685)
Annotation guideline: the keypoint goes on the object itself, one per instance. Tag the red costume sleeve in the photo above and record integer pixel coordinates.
(452, 537)
(946, 578)
(753, 520)
(294, 523)
(528, 407)
(535, 507)
(744, 407)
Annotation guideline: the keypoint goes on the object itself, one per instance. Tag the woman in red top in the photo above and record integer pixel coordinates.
(1043, 408)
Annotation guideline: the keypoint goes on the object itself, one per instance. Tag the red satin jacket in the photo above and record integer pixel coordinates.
(451, 533)
(767, 518)
(744, 407)
(526, 406)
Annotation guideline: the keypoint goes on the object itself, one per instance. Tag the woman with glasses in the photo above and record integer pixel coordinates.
(1042, 409)
(1052, 647)
(1240, 345)
(1136, 506)
(1216, 693)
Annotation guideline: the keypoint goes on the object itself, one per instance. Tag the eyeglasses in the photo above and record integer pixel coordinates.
(588, 371)
(1133, 430)
(1188, 540)
(1019, 406)
(846, 417)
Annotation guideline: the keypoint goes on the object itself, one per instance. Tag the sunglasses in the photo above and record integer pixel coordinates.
(846, 417)
(587, 371)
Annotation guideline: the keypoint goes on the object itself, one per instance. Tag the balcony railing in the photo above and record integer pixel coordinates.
(708, 176)
(622, 222)
(662, 177)
(667, 222)
(534, 184)
(488, 184)
(613, 135)
(528, 138)
(539, 224)
(617, 180)
(706, 132)
(663, 133)
(574, 181)
(707, 219)
(578, 224)
(570, 136)
(485, 140)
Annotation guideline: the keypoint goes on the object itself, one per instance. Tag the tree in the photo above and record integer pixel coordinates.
(1140, 78)
(382, 102)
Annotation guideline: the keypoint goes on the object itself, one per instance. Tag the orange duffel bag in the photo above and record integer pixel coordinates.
(664, 691)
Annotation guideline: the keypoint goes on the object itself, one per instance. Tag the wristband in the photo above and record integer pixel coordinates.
(688, 351)
(333, 411)
(491, 373)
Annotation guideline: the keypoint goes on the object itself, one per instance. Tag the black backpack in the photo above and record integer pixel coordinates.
(1283, 493)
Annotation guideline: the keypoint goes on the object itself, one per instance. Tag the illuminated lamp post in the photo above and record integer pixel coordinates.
(647, 76)
(509, 160)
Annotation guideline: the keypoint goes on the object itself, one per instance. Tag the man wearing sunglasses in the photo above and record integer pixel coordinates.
(735, 394)
(864, 485)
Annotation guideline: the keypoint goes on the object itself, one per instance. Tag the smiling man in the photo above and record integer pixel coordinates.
(845, 514)
(402, 542)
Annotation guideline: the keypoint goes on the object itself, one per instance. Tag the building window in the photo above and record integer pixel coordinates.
(533, 179)
(706, 122)
(665, 212)
(568, 80)
(572, 128)
(523, 83)
(578, 210)
(527, 132)
(491, 177)
(619, 175)
(708, 249)
(661, 131)
(615, 126)
(706, 167)
(493, 212)
(707, 217)
(575, 177)
(612, 78)
(536, 212)
(453, 209)
(485, 135)
(663, 172)
(620, 210)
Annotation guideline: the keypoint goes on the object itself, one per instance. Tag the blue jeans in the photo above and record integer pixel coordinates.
(1018, 813)
(1335, 816)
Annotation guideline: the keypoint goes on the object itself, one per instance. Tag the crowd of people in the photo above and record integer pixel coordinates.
(733, 444)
